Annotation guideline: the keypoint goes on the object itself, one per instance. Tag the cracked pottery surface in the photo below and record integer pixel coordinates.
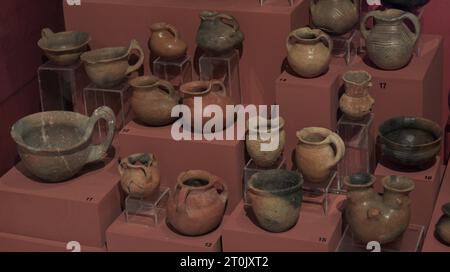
(55, 146)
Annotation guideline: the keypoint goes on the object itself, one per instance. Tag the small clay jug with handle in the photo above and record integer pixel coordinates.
(197, 204)
(309, 52)
(318, 152)
(140, 176)
(166, 42)
(390, 43)
(153, 100)
(356, 103)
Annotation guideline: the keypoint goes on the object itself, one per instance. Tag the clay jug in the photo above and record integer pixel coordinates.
(390, 44)
(197, 204)
(165, 42)
(356, 103)
(212, 93)
(309, 52)
(256, 138)
(319, 150)
(372, 217)
(218, 33)
(335, 17)
(140, 176)
(275, 199)
(443, 226)
(153, 100)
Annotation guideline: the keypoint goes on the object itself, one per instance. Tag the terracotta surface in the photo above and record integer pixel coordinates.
(424, 196)
(307, 102)
(165, 42)
(314, 232)
(225, 159)
(134, 237)
(431, 244)
(356, 103)
(79, 210)
(266, 29)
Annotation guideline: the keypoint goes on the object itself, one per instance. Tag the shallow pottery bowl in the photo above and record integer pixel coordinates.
(64, 48)
(54, 146)
(410, 141)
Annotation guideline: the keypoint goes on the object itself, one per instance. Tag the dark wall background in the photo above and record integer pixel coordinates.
(21, 22)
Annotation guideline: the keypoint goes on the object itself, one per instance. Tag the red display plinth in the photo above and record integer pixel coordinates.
(314, 232)
(132, 237)
(78, 210)
(307, 103)
(423, 198)
(415, 90)
(265, 28)
(17, 243)
(225, 159)
(431, 244)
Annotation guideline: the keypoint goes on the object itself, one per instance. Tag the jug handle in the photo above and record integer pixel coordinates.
(167, 86)
(364, 31)
(291, 40)
(221, 188)
(98, 152)
(340, 148)
(228, 20)
(327, 41)
(182, 198)
(135, 46)
(223, 89)
(173, 30)
(47, 32)
(417, 27)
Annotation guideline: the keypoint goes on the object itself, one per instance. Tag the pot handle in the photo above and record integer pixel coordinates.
(98, 152)
(364, 31)
(135, 46)
(173, 30)
(373, 213)
(47, 32)
(222, 189)
(182, 198)
(340, 148)
(417, 27)
(167, 86)
(291, 40)
(222, 90)
(327, 41)
(228, 20)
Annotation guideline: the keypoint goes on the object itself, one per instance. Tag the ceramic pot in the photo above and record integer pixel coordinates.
(372, 217)
(54, 146)
(166, 42)
(443, 226)
(405, 4)
(319, 151)
(410, 142)
(140, 176)
(108, 67)
(218, 33)
(197, 205)
(309, 52)
(275, 198)
(356, 103)
(390, 44)
(153, 100)
(64, 48)
(259, 147)
(335, 17)
(212, 93)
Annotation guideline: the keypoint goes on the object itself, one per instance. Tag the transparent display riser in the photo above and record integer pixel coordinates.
(224, 68)
(346, 46)
(117, 98)
(177, 72)
(359, 155)
(251, 168)
(61, 87)
(319, 193)
(149, 211)
(409, 242)
(268, 2)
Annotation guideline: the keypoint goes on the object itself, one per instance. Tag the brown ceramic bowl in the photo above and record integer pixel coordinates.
(64, 48)
(410, 141)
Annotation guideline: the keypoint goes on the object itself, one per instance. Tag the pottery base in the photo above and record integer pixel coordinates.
(124, 236)
(313, 233)
(177, 72)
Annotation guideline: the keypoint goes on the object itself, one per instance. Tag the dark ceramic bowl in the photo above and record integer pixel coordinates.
(410, 141)
(405, 4)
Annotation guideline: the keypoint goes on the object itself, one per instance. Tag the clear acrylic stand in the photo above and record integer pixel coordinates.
(346, 46)
(409, 242)
(251, 168)
(176, 72)
(117, 98)
(359, 155)
(262, 2)
(148, 211)
(319, 193)
(224, 68)
(61, 87)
